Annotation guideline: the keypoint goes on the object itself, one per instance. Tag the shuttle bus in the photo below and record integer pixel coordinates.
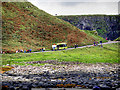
(59, 46)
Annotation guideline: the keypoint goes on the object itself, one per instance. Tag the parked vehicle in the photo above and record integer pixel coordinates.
(59, 46)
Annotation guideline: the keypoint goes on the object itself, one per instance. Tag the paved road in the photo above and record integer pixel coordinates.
(109, 42)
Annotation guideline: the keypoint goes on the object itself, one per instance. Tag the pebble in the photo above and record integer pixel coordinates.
(68, 75)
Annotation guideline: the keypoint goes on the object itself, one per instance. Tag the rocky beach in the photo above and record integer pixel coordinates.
(56, 74)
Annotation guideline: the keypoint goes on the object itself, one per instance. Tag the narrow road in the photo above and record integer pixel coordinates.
(109, 42)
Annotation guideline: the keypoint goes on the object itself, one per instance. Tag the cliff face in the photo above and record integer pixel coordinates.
(107, 26)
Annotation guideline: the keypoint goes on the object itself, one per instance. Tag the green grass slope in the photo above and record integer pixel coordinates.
(118, 39)
(95, 54)
(24, 26)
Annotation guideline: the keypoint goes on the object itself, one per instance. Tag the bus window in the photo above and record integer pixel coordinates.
(65, 45)
(61, 45)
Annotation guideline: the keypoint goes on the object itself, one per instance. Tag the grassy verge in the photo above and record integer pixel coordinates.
(118, 39)
(96, 54)
(92, 33)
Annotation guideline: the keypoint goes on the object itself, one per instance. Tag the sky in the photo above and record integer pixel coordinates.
(77, 7)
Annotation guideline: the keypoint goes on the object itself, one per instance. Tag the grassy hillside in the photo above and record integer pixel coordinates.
(95, 54)
(24, 26)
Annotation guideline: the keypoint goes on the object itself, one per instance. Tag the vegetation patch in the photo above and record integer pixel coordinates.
(5, 68)
(118, 39)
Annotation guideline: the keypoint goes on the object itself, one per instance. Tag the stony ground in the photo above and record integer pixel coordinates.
(63, 74)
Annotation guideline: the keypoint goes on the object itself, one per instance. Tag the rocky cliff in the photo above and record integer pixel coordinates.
(107, 26)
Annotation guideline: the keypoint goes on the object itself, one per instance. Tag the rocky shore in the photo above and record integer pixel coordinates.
(65, 75)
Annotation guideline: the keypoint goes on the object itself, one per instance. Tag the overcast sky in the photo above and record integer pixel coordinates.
(77, 7)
